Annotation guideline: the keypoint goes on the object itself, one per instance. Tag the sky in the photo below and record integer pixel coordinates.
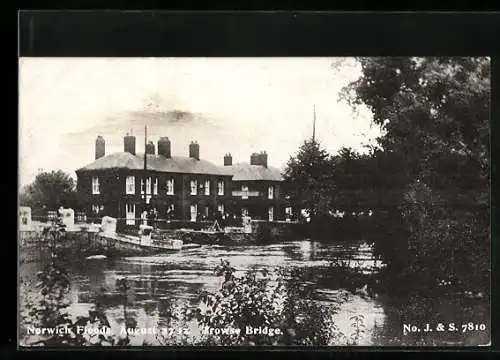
(236, 105)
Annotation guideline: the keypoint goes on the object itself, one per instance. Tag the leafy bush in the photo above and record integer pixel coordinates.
(261, 300)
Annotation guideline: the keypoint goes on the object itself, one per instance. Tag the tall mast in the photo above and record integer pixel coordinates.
(314, 123)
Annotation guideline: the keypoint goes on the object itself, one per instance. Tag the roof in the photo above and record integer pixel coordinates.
(175, 164)
(247, 172)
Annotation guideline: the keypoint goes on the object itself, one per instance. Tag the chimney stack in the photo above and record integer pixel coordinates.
(129, 144)
(150, 148)
(194, 150)
(254, 159)
(263, 159)
(164, 147)
(259, 159)
(100, 147)
(228, 159)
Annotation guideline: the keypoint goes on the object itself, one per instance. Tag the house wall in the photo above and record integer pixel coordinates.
(109, 192)
(113, 196)
(258, 205)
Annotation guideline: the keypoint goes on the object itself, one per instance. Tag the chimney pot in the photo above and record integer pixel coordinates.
(264, 159)
(194, 150)
(228, 160)
(259, 159)
(150, 148)
(254, 159)
(100, 147)
(129, 144)
(164, 147)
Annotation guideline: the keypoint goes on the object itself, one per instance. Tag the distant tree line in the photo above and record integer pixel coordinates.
(426, 180)
(49, 191)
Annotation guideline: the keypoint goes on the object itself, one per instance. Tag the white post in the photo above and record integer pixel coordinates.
(25, 217)
(68, 218)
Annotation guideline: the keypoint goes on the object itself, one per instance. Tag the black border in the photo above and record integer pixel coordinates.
(263, 33)
(271, 33)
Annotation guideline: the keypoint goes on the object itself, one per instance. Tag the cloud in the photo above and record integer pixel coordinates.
(164, 118)
(156, 121)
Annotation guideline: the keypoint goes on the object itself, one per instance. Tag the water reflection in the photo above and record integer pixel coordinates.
(157, 282)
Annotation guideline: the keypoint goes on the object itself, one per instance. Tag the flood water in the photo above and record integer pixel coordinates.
(158, 281)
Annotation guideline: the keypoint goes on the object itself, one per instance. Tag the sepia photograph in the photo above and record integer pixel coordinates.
(233, 201)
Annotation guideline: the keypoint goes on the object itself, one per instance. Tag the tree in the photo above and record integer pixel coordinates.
(308, 179)
(308, 183)
(435, 115)
(49, 191)
(433, 110)
(353, 179)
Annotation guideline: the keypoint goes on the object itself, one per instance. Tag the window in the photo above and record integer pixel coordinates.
(220, 187)
(155, 187)
(130, 185)
(130, 214)
(206, 211)
(207, 187)
(170, 187)
(244, 191)
(220, 209)
(148, 185)
(194, 185)
(271, 213)
(95, 185)
(194, 212)
(270, 192)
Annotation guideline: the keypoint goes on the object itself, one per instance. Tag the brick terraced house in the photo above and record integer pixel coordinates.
(257, 188)
(176, 187)
(184, 188)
